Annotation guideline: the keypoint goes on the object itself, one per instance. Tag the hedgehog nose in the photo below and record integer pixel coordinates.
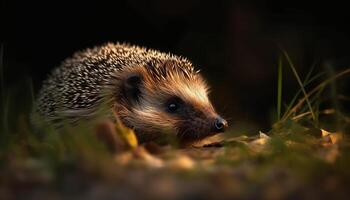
(220, 124)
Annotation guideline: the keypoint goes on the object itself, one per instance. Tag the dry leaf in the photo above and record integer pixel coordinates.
(324, 133)
(127, 134)
(181, 162)
(124, 158)
(263, 135)
(331, 138)
(152, 161)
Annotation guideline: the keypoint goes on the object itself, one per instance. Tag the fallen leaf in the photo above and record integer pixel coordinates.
(263, 135)
(181, 162)
(127, 134)
(152, 161)
(124, 158)
(324, 133)
(331, 138)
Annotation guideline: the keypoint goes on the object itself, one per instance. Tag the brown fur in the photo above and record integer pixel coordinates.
(149, 116)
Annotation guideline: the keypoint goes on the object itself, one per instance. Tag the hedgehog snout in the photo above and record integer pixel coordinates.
(220, 125)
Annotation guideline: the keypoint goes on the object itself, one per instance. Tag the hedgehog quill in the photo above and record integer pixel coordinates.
(151, 92)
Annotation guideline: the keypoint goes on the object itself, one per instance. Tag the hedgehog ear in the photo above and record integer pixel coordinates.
(131, 88)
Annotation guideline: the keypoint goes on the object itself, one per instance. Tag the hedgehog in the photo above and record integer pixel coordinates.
(151, 92)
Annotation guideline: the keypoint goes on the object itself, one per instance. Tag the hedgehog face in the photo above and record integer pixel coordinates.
(193, 119)
(176, 103)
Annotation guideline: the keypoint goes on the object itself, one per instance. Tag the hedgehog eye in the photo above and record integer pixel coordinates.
(173, 104)
(173, 107)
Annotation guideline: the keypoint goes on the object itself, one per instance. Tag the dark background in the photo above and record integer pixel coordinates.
(235, 43)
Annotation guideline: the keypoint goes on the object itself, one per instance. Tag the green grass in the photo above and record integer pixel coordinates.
(279, 88)
(301, 85)
(308, 80)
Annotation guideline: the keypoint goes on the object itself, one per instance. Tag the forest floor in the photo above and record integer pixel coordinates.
(290, 162)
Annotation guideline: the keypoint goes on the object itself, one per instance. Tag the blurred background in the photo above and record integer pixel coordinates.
(235, 43)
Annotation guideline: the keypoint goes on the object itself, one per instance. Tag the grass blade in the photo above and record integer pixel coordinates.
(2, 88)
(306, 82)
(317, 88)
(279, 88)
(333, 93)
(300, 84)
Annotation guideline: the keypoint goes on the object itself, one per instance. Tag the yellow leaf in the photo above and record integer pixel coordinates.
(325, 133)
(127, 134)
(332, 137)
